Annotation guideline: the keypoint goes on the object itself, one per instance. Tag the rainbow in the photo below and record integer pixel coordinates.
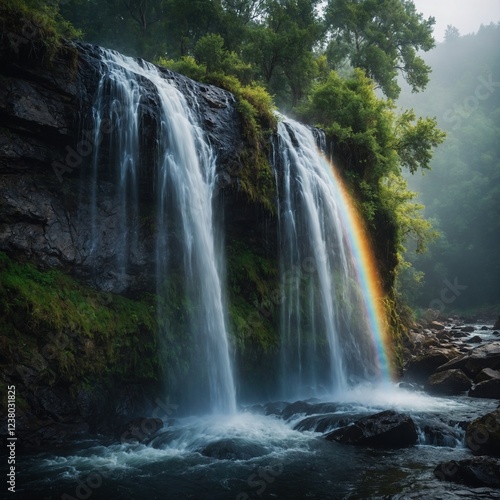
(366, 270)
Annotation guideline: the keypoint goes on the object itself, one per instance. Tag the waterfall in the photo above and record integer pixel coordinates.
(326, 338)
(183, 167)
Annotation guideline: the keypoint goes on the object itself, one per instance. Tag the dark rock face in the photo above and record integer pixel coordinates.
(497, 324)
(478, 471)
(46, 146)
(483, 435)
(387, 429)
(449, 382)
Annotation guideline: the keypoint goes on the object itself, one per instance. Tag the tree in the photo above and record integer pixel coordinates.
(451, 33)
(382, 37)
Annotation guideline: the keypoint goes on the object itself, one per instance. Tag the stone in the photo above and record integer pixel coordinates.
(468, 329)
(484, 356)
(475, 472)
(448, 383)
(487, 374)
(487, 389)
(294, 409)
(483, 435)
(497, 324)
(475, 340)
(387, 429)
(233, 449)
(420, 368)
(436, 325)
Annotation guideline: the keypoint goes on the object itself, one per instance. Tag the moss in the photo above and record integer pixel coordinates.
(72, 330)
(253, 291)
(36, 29)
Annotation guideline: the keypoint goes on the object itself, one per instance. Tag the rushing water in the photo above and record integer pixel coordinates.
(185, 172)
(248, 455)
(327, 341)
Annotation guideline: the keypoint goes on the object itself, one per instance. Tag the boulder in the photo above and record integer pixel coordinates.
(294, 409)
(322, 423)
(436, 325)
(449, 383)
(233, 449)
(387, 429)
(497, 324)
(487, 374)
(483, 434)
(420, 368)
(477, 471)
(487, 389)
(475, 340)
(468, 329)
(484, 356)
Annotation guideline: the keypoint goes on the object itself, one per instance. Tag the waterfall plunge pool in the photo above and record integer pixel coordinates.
(249, 455)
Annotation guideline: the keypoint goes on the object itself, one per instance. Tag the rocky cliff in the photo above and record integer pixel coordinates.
(79, 337)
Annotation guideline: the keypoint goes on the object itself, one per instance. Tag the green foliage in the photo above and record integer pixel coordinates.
(416, 140)
(35, 27)
(186, 65)
(77, 330)
(253, 287)
(381, 37)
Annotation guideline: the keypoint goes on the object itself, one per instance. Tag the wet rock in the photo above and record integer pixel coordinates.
(483, 435)
(497, 324)
(487, 374)
(387, 429)
(487, 389)
(323, 423)
(449, 382)
(420, 368)
(475, 340)
(140, 429)
(468, 329)
(484, 356)
(436, 325)
(275, 407)
(484, 328)
(294, 409)
(233, 449)
(477, 471)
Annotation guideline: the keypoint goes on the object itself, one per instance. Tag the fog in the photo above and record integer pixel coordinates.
(462, 192)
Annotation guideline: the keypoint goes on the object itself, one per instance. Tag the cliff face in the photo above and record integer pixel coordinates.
(46, 147)
(79, 337)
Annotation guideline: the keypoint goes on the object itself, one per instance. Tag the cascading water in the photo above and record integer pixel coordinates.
(184, 169)
(326, 337)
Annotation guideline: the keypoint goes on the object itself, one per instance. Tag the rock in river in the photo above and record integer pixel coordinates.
(387, 429)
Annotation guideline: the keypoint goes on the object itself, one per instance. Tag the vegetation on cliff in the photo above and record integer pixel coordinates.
(257, 50)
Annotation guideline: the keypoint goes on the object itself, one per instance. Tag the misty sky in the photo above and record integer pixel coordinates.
(466, 15)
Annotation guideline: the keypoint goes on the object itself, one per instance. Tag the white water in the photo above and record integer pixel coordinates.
(326, 340)
(184, 173)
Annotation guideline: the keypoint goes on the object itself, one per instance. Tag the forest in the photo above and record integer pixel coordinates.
(461, 192)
